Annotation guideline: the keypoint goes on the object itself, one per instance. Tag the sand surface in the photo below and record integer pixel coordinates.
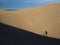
(36, 20)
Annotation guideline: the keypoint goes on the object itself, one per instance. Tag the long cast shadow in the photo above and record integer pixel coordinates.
(10, 35)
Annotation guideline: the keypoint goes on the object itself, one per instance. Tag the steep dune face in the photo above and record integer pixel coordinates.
(36, 20)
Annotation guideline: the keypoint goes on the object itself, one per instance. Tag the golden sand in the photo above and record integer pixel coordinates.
(36, 20)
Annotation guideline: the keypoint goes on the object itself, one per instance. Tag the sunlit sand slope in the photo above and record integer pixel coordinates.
(36, 20)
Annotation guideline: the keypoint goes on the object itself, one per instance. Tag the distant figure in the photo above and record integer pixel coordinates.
(46, 33)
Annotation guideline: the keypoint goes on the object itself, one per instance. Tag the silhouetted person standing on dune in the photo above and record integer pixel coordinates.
(46, 33)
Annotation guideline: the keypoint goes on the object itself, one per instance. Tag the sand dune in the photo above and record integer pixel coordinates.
(36, 20)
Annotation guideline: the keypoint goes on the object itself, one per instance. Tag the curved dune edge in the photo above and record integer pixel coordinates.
(36, 20)
(6, 27)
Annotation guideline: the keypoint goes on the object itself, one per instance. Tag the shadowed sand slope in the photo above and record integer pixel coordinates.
(36, 20)
(14, 36)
